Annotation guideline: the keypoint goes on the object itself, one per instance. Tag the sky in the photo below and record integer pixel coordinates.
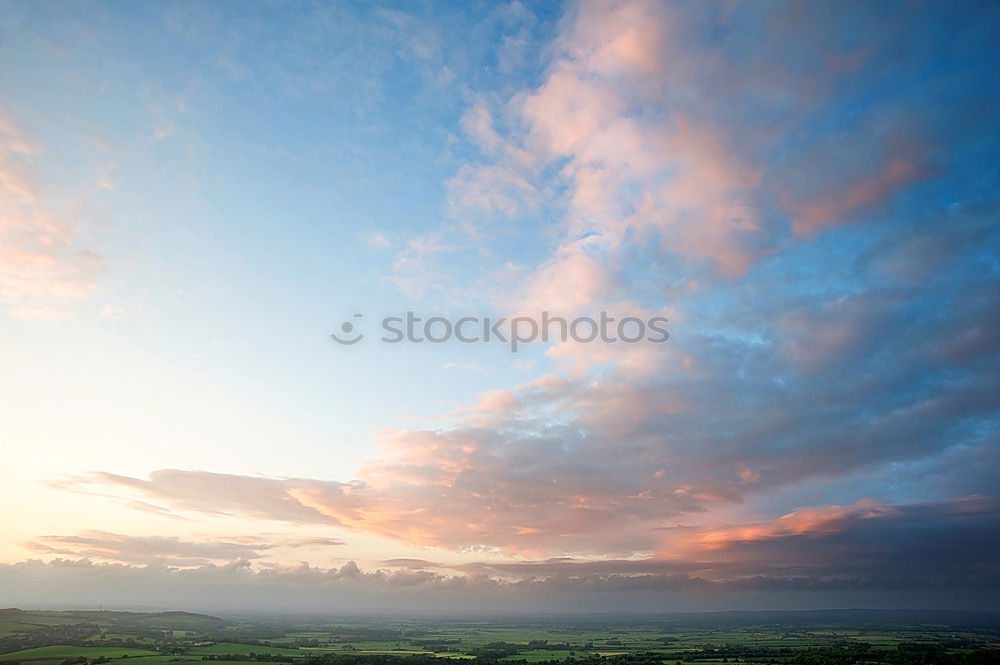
(194, 197)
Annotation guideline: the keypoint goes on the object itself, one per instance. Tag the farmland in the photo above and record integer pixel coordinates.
(172, 638)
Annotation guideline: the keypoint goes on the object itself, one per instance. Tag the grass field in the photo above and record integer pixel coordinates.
(13, 627)
(63, 652)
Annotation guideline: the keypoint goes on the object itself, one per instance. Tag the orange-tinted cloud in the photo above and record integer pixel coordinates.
(820, 521)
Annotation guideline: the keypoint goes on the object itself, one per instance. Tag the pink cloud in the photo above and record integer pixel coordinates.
(43, 265)
(573, 280)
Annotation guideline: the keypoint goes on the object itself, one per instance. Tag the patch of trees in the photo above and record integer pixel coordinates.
(256, 657)
(934, 654)
(363, 634)
(120, 642)
(543, 645)
(842, 654)
(246, 635)
(372, 659)
(496, 650)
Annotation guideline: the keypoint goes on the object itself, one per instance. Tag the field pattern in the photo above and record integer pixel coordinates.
(171, 638)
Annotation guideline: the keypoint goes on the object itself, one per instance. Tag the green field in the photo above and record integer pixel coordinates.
(161, 659)
(56, 652)
(12, 627)
(51, 638)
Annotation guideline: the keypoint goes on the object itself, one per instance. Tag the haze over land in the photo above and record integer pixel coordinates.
(194, 197)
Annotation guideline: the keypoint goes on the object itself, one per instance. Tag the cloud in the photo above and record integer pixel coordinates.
(144, 549)
(416, 564)
(491, 189)
(873, 555)
(166, 550)
(478, 124)
(416, 270)
(45, 265)
(216, 493)
(574, 465)
(378, 241)
(571, 465)
(859, 176)
(808, 382)
(867, 543)
(573, 280)
(657, 125)
(805, 522)
(793, 391)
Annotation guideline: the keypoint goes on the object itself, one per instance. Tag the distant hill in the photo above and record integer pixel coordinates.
(149, 620)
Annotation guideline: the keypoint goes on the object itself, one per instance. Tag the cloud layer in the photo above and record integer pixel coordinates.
(871, 553)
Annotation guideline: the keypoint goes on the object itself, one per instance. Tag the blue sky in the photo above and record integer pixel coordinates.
(195, 196)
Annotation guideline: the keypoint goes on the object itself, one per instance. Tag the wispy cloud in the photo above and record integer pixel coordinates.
(167, 550)
(45, 265)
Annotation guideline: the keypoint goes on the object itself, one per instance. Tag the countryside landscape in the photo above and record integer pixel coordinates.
(912, 637)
